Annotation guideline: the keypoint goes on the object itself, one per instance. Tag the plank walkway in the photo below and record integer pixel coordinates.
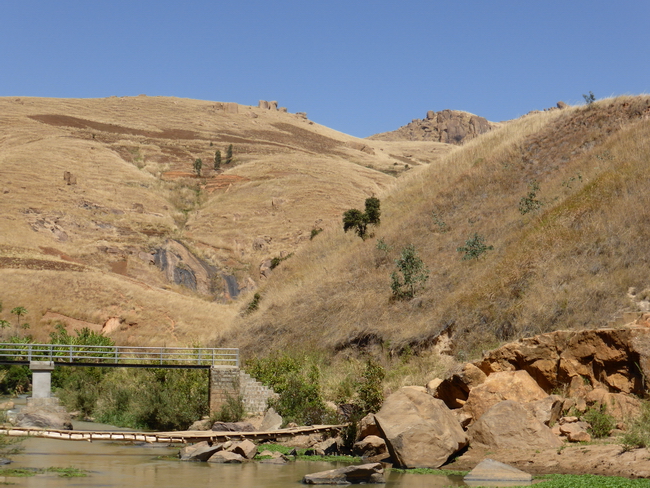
(180, 437)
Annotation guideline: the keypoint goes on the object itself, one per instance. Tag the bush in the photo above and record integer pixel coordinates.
(228, 155)
(474, 248)
(370, 388)
(601, 423)
(297, 382)
(198, 164)
(638, 432)
(589, 99)
(410, 276)
(232, 411)
(529, 203)
(217, 160)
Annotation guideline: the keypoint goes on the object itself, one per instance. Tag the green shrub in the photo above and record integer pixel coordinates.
(315, 232)
(217, 160)
(198, 164)
(638, 432)
(228, 155)
(589, 99)
(296, 380)
(254, 304)
(232, 411)
(601, 423)
(529, 203)
(370, 389)
(474, 247)
(410, 276)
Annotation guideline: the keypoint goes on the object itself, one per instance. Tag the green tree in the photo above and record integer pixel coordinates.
(217, 160)
(410, 276)
(370, 389)
(359, 221)
(4, 324)
(19, 312)
(474, 247)
(589, 99)
(198, 164)
(229, 155)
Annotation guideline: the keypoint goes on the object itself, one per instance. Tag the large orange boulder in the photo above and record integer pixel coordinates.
(420, 431)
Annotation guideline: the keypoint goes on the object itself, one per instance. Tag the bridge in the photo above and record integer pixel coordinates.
(226, 378)
(179, 437)
(119, 356)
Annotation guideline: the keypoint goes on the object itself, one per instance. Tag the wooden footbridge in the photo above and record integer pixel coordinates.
(179, 437)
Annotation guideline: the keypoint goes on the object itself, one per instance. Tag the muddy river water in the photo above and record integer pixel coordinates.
(115, 465)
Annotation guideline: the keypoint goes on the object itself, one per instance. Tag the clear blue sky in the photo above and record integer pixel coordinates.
(358, 67)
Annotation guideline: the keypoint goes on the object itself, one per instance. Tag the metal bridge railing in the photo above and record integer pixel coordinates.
(127, 355)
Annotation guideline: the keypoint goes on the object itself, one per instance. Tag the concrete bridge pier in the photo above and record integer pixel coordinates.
(229, 383)
(41, 378)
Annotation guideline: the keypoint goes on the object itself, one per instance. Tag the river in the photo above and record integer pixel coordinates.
(118, 465)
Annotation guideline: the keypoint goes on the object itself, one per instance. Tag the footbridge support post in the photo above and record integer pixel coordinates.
(41, 378)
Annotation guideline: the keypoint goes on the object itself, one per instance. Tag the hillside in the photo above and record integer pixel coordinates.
(580, 176)
(105, 223)
(137, 244)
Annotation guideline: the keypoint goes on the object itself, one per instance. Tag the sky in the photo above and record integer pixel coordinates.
(356, 66)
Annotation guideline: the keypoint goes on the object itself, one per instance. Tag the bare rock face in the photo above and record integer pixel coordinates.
(546, 410)
(492, 471)
(226, 457)
(419, 430)
(272, 420)
(509, 425)
(507, 385)
(448, 126)
(616, 360)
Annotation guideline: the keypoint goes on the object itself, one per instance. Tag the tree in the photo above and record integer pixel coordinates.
(198, 164)
(19, 312)
(229, 155)
(589, 99)
(410, 276)
(217, 160)
(474, 247)
(359, 221)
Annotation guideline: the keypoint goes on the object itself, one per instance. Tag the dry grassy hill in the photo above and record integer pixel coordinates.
(90, 249)
(91, 253)
(566, 264)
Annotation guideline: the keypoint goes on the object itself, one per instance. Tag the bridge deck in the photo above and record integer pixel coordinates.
(181, 437)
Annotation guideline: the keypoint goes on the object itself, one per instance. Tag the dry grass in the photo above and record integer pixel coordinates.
(567, 265)
(132, 158)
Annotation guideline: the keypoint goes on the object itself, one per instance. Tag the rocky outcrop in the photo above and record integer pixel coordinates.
(509, 425)
(201, 451)
(44, 413)
(420, 431)
(448, 126)
(364, 473)
(182, 267)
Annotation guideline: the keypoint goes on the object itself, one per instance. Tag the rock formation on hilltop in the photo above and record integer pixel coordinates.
(448, 126)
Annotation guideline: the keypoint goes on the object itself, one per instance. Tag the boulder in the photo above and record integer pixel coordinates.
(367, 426)
(233, 427)
(420, 431)
(201, 425)
(492, 471)
(618, 405)
(201, 451)
(44, 416)
(272, 421)
(507, 385)
(329, 447)
(245, 448)
(546, 410)
(454, 391)
(370, 446)
(509, 425)
(224, 457)
(364, 473)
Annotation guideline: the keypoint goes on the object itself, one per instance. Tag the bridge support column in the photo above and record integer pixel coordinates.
(41, 378)
(224, 384)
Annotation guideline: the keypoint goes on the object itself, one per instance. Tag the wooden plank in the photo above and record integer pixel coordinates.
(181, 437)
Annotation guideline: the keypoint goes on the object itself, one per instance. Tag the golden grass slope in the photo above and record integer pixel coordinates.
(83, 250)
(567, 265)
